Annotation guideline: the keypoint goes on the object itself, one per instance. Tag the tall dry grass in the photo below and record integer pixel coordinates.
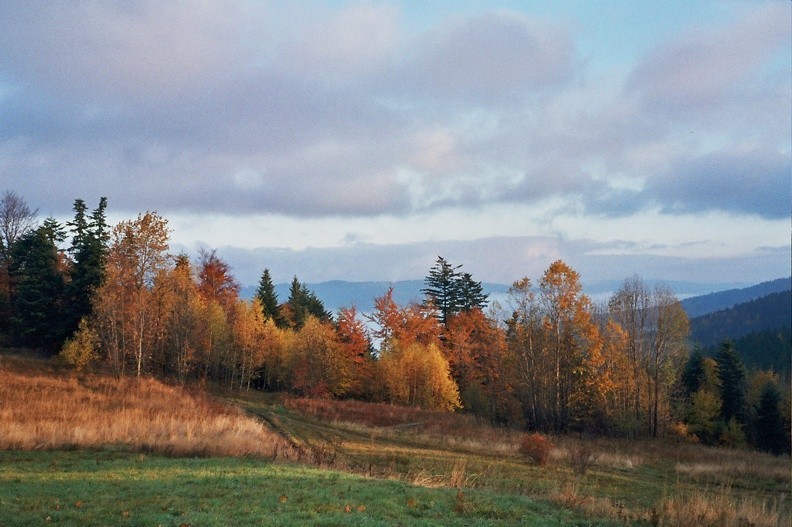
(40, 410)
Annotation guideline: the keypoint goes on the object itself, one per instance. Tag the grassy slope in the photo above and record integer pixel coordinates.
(106, 488)
(413, 471)
(628, 479)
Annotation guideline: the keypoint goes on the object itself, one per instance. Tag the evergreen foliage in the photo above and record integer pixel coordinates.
(771, 434)
(693, 376)
(269, 299)
(301, 303)
(89, 253)
(36, 269)
(452, 292)
(731, 374)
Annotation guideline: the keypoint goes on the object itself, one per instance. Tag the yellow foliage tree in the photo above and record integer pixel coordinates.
(418, 375)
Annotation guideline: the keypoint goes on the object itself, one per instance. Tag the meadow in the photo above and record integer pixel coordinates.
(94, 450)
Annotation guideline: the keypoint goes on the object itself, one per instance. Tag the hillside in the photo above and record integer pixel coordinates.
(771, 312)
(341, 293)
(710, 303)
(356, 464)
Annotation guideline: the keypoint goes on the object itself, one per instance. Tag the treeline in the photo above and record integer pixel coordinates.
(550, 360)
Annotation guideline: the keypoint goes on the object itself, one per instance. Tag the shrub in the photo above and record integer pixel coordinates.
(80, 350)
(582, 456)
(536, 447)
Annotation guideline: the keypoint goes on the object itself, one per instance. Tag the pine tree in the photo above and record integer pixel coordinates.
(301, 303)
(694, 375)
(470, 293)
(268, 298)
(36, 268)
(731, 373)
(771, 435)
(442, 289)
(89, 252)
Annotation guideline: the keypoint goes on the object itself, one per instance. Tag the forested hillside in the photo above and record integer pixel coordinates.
(551, 360)
(771, 312)
(701, 305)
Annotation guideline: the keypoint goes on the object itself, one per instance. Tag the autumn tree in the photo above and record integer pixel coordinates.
(183, 312)
(125, 315)
(475, 347)
(657, 328)
(418, 375)
(215, 280)
(354, 340)
(570, 334)
(630, 308)
(319, 365)
(530, 363)
(248, 342)
(668, 345)
(413, 323)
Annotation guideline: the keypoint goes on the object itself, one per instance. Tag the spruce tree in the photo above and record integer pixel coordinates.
(302, 303)
(38, 318)
(268, 298)
(771, 435)
(731, 374)
(471, 293)
(442, 289)
(89, 252)
(693, 375)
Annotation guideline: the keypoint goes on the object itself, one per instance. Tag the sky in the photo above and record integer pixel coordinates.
(360, 140)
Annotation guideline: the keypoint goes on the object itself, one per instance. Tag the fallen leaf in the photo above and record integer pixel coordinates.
(347, 509)
(125, 514)
(283, 498)
(78, 503)
(361, 508)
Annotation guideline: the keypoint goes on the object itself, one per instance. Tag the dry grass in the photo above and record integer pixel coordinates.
(721, 508)
(41, 410)
(449, 431)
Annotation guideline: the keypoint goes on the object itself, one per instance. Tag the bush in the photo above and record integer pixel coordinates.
(582, 456)
(80, 350)
(537, 448)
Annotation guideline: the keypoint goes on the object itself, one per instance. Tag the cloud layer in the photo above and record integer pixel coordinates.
(357, 111)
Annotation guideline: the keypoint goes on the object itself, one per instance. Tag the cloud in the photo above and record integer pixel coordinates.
(501, 260)
(487, 58)
(100, 50)
(741, 181)
(706, 65)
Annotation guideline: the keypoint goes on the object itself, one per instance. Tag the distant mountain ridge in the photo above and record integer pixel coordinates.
(768, 313)
(701, 305)
(340, 293)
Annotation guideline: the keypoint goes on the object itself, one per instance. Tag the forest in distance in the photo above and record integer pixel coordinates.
(113, 298)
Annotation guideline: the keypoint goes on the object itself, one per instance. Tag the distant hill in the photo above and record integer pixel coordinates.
(701, 305)
(771, 312)
(763, 350)
(338, 293)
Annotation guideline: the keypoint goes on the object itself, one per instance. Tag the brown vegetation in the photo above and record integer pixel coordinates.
(40, 410)
(537, 448)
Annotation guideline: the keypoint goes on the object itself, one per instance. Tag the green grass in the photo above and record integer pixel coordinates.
(121, 488)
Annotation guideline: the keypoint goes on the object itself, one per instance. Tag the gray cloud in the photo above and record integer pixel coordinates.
(739, 181)
(501, 260)
(236, 108)
(706, 65)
